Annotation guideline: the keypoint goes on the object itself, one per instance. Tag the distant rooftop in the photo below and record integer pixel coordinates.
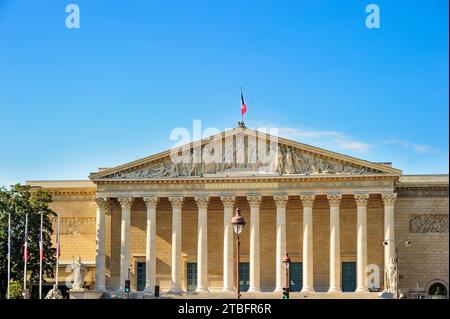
(62, 184)
(424, 179)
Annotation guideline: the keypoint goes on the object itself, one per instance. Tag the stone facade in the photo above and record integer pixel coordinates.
(361, 197)
(427, 260)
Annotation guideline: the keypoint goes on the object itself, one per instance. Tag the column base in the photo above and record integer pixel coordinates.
(334, 290)
(254, 289)
(100, 289)
(228, 290)
(175, 291)
(362, 289)
(278, 289)
(307, 290)
(148, 291)
(122, 291)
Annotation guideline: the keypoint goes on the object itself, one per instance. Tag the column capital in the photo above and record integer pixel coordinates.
(228, 201)
(177, 202)
(254, 201)
(125, 202)
(307, 200)
(334, 199)
(361, 199)
(151, 202)
(389, 198)
(281, 201)
(101, 202)
(202, 201)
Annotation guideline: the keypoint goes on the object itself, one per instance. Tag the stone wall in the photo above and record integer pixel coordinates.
(427, 259)
(267, 229)
(77, 224)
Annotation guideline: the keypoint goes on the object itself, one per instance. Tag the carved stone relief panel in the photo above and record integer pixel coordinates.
(77, 225)
(428, 223)
(285, 160)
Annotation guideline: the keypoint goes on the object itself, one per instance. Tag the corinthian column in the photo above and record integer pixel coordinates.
(177, 204)
(389, 227)
(228, 204)
(150, 254)
(308, 274)
(255, 202)
(100, 244)
(281, 203)
(202, 244)
(335, 246)
(125, 203)
(361, 244)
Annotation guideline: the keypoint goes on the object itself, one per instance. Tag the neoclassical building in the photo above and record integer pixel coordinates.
(161, 222)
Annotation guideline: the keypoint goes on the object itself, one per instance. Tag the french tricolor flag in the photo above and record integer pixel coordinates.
(25, 241)
(58, 240)
(243, 105)
(41, 246)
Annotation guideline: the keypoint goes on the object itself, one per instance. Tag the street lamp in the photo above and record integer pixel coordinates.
(238, 223)
(388, 242)
(287, 264)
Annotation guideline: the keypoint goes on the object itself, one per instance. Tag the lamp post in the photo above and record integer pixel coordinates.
(238, 223)
(287, 264)
(388, 242)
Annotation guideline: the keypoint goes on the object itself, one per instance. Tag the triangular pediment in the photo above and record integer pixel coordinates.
(243, 152)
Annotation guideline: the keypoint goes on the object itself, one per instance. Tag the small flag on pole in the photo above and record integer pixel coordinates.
(58, 250)
(243, 105)
(9, 253)
(25, 258)
(25, 240)
(58, 240)
(41, 245)
(58, 245)
(9, 237)
(41, 257)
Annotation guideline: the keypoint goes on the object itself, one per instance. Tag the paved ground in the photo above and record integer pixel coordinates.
(262, 295)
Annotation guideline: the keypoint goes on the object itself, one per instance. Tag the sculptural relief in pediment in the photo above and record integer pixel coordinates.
(272, 159)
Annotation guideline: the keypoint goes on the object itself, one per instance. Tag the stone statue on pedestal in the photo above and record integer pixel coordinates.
(391, 276)
(78, 274)
(54, 293)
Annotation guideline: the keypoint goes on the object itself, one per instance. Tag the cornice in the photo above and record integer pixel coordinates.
(205, 180)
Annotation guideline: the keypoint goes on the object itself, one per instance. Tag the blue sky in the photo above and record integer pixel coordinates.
(73, 100)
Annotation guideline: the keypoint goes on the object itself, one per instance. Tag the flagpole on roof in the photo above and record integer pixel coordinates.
(243, 110)
(41, 247)
(9, 254)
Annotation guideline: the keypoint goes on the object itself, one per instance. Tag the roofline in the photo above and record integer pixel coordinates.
(289, 142)
(58, 184)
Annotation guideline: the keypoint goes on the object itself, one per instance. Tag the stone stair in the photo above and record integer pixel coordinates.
(245, 295)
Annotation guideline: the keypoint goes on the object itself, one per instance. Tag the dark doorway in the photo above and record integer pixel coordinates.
(244, 269)
(191, 276)
(296, 276)
(348, 276)
(140, 276)
(437, 290)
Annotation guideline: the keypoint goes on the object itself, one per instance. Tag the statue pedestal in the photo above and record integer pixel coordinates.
(84, 294)
(386, 295)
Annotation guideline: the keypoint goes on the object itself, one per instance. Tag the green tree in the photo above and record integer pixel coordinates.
(20, 200)
(15, 290)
